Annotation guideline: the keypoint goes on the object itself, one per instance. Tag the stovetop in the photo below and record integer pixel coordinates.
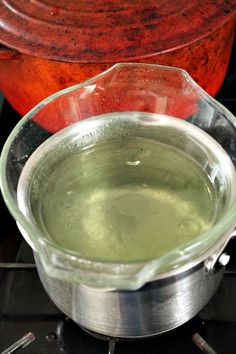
(27, 314)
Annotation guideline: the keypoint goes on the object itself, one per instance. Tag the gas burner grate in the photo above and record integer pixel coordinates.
(20, 344)
(17, 266)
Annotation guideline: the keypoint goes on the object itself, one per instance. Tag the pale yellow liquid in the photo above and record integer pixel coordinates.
(126, 200)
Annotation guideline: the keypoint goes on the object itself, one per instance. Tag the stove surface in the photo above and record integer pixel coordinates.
(25, 307)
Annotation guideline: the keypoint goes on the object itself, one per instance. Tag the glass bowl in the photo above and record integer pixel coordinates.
(122, 88)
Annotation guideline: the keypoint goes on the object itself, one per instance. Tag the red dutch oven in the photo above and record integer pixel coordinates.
(49, 45)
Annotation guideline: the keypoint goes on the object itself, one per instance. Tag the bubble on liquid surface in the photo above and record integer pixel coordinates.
(189, 226)
(133, 163)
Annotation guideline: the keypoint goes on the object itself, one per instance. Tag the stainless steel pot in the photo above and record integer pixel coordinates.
(159, 294)
(159, 306)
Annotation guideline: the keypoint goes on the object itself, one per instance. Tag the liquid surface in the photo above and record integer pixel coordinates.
(126, 201)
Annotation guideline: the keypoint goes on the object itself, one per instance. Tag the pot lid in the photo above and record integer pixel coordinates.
(107, 31)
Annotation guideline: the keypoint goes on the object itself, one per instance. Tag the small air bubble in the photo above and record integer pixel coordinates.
(189, 226)
(133, 163)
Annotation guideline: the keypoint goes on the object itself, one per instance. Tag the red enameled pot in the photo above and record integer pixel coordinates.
(49, 45)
